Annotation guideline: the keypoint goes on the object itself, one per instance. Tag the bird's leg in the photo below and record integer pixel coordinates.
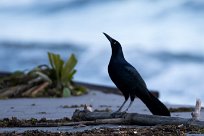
(129, 105)
(132, 98)
(121, 106)
(116, 113)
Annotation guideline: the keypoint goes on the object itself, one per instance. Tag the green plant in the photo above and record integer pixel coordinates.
(64, 72)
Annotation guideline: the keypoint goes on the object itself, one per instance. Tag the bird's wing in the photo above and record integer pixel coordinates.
(134, 75)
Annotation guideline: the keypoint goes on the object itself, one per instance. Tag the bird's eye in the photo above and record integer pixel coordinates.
(114, 42)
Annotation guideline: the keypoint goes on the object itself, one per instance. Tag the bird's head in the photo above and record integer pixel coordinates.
(113, 42)
(116, 47)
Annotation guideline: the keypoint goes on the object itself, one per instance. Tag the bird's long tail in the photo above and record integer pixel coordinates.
(156, 106)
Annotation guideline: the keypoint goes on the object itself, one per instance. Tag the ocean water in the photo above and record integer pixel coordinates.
(164, 40)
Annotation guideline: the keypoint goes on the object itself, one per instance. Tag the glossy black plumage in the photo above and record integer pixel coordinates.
(129, 81)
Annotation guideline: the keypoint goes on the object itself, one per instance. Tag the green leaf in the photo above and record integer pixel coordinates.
(57, 64)
(67, 73)
(60, 64)
(56, 61)
(71, 74)
(66, 92)
(50, 59)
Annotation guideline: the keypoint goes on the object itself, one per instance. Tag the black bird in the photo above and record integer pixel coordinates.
(129, 81)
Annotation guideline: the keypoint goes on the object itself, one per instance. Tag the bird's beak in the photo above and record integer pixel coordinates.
(108, 37)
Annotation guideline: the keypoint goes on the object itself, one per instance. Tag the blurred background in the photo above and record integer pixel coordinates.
(164, 40)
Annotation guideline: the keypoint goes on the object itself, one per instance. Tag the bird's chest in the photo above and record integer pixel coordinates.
(118, 74)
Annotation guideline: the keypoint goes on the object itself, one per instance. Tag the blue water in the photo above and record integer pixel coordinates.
(164, 40)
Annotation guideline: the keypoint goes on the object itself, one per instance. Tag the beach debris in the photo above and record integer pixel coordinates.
(88, 108)
(196, 113)
(43, 80)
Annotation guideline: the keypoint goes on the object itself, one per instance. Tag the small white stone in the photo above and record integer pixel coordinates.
(135, 132)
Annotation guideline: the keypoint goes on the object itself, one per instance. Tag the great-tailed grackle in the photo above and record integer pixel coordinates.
(129, 81)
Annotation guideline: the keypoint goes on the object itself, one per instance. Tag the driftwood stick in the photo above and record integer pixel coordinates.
(136, 119)
(40, 87)
(29, 91)
(13, 91)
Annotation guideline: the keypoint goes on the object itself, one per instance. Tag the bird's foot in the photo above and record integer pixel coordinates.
(117, 114)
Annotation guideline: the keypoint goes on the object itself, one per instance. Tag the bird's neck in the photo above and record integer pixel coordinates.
(117, 52)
